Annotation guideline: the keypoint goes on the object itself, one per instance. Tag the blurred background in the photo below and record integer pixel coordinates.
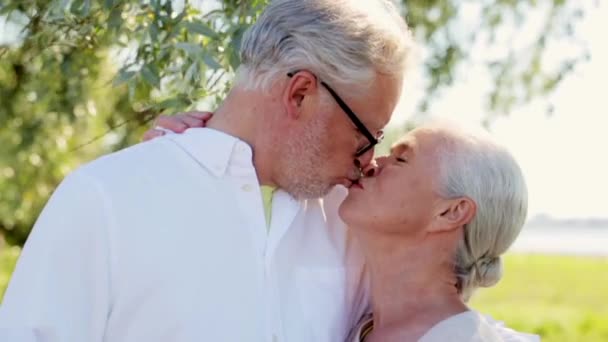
(81, 78)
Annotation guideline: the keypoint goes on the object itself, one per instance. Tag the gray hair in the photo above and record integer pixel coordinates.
(473, 165)
(343, 41)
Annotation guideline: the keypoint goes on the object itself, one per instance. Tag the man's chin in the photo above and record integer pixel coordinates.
(309, 192)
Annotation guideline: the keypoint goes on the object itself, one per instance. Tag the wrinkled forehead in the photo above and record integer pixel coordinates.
(421, 142)
(403, 144)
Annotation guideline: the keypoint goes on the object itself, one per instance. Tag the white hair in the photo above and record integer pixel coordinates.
(473, 165)
(342, 41)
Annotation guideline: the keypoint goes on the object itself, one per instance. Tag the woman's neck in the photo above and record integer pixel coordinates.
(412, 283)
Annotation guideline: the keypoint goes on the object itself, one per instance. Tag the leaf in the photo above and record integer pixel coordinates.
(115, 20)
(131, 86)
(168, 6)
(7, 9)
(154, 32)
(192, 74)
(81, 7)
(237, 37)
(177, 103)
(200, 28)
(122, 77)
(86, 8)
(194, 50)
(163, 54)
(63, 5)
(108, 4)
(211, 62)
(234, 58)
(150, 75)
(179, 18)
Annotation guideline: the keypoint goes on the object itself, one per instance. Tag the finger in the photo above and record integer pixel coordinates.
(151, 134)
(191, 121)
(172, 123)
(201, 115)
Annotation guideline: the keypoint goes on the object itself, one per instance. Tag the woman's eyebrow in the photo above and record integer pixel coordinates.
(400, 147)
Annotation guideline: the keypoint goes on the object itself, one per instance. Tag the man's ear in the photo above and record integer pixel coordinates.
(299, 87)
(453, 213)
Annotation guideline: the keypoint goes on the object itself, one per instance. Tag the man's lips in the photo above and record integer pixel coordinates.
(356, 184)
(349, 183)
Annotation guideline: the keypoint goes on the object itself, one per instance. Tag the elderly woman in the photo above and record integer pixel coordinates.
(433, 222)
(433, 219)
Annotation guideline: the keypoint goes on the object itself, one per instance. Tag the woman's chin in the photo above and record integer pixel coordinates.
(351, 208)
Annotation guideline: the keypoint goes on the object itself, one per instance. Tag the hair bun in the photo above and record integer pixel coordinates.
(488, 271)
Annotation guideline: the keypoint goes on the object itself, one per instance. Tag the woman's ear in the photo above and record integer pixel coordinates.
(453, 214)
(300, 85)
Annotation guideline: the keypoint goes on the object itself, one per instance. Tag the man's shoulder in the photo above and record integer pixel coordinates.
(148, 157)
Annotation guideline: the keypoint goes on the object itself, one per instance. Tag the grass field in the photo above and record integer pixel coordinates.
(560, 298)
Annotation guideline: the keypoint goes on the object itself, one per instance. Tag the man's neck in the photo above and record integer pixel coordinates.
(413, 284)
(248, 116)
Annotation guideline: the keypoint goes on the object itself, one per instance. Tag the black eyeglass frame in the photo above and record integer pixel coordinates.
(373, 141)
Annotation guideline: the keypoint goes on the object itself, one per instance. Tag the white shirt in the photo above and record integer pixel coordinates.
(469, 326)
(472, 326)
(167, 241)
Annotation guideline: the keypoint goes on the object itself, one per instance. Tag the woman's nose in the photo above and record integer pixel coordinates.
(381, 161)
(371, 169)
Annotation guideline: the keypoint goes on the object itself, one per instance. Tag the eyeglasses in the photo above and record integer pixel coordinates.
(372, 140)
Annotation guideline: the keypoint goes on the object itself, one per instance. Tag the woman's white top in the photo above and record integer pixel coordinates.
(469, 326)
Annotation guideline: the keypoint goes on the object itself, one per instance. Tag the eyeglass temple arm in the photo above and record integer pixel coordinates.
(360, 126)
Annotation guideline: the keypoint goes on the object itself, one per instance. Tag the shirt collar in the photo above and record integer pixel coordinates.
(211, 148)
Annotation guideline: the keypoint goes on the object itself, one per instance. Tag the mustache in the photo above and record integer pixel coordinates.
(355, 174)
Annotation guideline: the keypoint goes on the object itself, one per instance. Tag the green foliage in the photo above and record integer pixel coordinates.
(560, 298)
(519, 74)
(83, 77)
(86, 78)
(8, 259)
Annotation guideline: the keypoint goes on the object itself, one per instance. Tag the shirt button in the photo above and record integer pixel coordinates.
(275, 338)
(247, 187)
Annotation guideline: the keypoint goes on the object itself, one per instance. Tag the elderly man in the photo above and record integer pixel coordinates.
(170, 240)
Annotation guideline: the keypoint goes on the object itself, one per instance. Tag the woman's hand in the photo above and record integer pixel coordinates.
(177, 123)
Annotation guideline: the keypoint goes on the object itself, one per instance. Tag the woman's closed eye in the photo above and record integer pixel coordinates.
(401, 160)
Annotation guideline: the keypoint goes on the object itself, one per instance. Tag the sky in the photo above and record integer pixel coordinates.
(563, 156)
